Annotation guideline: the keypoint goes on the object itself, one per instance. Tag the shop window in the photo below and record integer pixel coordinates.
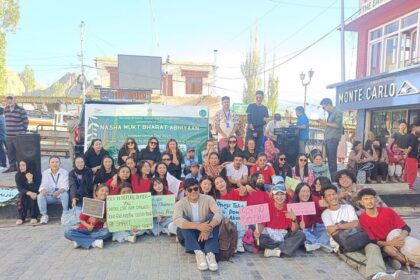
(375, 58)
(408, 47)
(193, 85)
(386, 122)
(391, 53)
(375, 34)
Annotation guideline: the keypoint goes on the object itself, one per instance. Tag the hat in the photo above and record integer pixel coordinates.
(189, 149)
(194, 163)
(278, 188)
(277, 179)
(10, 95)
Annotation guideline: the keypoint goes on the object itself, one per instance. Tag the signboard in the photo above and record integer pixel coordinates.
(113, 124)
(138, 95)
(8, 195)
(93, 207)
(302, 208)
(230, 210)
(239, 108)
(370, 5)
(291, 183)
(254, 214)
(137, 71)
(129, 212)
(163, 205)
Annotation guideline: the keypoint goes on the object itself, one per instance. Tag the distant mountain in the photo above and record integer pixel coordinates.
(68, 83)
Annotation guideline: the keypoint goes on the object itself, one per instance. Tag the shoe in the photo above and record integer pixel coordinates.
(201, 260)
(411, 188)
(10, 169)
(401, 180)
(326, 248)
(211, 260)
(33, 221)
(132, 239)
(383, 276)
(240, 246)
(98, 243)
(176, 239)
(394, 180)
(397, 274)
(379, 181)
(396, 265)
(19, 222)
(272, 253)
(75, 245)
(311, 247)
(44, 219)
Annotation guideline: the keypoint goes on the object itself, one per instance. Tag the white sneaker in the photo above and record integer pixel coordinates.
(201, 260)
(396, 265)
(98, 243)
(44, 219)
(75, 245)
(240, 246)
(272, 253)
(383, 276)
(311, 247)
(132, 239)
(211, 260)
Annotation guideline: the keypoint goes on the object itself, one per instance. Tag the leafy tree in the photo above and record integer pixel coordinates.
(250, 70)
(272, 91)
(58, 89)
(27, 77)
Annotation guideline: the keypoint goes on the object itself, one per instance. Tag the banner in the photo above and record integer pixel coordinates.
(230, 210)
(113, 123)
(254, 214)
(163, 205)
(129, 212)
(302, 208)
(93, 207)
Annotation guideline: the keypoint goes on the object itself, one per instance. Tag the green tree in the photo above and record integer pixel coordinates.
(9, 19)
(250, 70)
(272, 91)
(58, 89)
(27, 76)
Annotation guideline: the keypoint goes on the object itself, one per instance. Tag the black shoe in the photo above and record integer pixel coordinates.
(10, 169)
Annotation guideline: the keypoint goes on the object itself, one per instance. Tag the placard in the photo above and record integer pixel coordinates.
(291, 183)
(254, 214)
(230, 210)
(163, 205)
(93, 207)
(129, 212)
(302, 208)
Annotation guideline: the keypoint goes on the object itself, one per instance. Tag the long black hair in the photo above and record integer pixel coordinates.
(297, 169)
(253, 181)
(299, 187)
(212, 192)
(160, 181)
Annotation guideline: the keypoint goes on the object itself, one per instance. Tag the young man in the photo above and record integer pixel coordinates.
(236, 171)
(226, 122)
(198, 218)
(189, 159)
(54, 188)
(385, 228)
(194, 172)
(262, 167)
(257, 116)
(400, 137)
(411, 154)
(303, 125)
(281, 234)
(336, 217)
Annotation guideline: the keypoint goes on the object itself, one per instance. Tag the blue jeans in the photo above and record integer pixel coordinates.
(331, 150)
(2, 153)
(258, 140)
(317, 234)
(85, 238)
(159, 228)
(50, 199)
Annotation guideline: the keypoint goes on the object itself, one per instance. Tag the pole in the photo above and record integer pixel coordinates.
(304, 99)
(82, 66)
(214, 71)
(343, 62)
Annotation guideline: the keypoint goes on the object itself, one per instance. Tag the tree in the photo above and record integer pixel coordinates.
(9, 19)
(58, 89)
(250, 70)
(272, 91)
(27, 77)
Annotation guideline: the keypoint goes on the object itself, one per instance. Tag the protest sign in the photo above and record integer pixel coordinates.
(230, 210)
(302, 208)
(93, 207)
(254, 214)
(129, 212)
(163, 205)
(291, 183)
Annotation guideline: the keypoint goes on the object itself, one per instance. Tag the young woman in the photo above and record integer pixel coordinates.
(318, 184)
(80, 182)
(141, 180)
(396, 163)
(94, 155)
(123, 175)
(172, 168)
(360, 160)
(91, 231)
(312, 226)
(301, 171)
(28, 183)
(380, 171)
(270, 151)
(225, 192)
(226, 155)
(207, 187)
(151, 153)
(281, 167)
(160, 223)
(256, 193)
(210, 148)
(106, 172)
(318, 167)
(213, 169)
(169, 182)
(176, 159)
(250, 153)
(131, 163)
(129, 149)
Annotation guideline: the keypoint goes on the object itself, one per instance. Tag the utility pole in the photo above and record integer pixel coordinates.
(214, 71)
(82, 79)
(343, 62)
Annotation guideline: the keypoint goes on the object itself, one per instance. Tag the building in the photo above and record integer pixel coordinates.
(387, 85)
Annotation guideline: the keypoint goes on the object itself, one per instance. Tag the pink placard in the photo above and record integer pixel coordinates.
(302, 208)
(254, 214)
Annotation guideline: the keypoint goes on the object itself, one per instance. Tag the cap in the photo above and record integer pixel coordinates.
(194, 163)
(189, 149)
(278, 188)
(277, 179)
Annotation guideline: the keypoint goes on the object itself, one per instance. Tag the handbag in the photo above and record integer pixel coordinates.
(351, 240)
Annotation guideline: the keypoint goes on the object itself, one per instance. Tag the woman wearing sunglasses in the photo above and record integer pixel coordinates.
(301, 171)
(226, 155)
(151, 153)
(129, 149)
(281, 167)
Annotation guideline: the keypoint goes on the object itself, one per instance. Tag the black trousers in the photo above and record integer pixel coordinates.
(27, 204)
(380, 169)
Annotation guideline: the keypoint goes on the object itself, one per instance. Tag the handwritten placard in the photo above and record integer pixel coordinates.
(163, 205)
(93, 207)
(291, 183)
(302, 208)
(254, 214)
(129, 212)
(230, 210)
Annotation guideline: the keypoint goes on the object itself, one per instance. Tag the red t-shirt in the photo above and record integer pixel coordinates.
(144, 185)
(255, 198)
(311, 220)
(278, 218)
(232, 195)
(112, 191)
(380, 226)
(267, 172)
(96, 224)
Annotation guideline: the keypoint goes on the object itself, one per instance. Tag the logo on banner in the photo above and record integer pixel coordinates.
(407, 88)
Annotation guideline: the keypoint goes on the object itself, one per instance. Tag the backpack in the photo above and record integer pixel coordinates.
(228, 240)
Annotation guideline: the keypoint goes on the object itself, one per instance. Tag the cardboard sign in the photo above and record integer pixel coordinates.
(93, 207)
(302, 208)
(230, 210)
(254, 214)
(291, 183)
(129, 212)
(163, 205)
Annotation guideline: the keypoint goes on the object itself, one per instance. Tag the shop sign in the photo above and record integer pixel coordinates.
(370, 5)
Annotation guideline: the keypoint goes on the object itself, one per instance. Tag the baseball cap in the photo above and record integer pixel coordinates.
(194, 163)
(277, 179)
(278, 188)
(189, 149)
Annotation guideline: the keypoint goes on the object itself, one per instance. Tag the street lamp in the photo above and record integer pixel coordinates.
(305, 84)
(166, 79)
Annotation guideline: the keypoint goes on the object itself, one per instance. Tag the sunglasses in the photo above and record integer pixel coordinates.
(232, 142)
(282, 158)
(303, 160)
(190, 190)
(166, 159)
(153, 143)
(129, 143)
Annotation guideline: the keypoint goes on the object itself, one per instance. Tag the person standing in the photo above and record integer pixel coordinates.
(16, 123)
(400, 137)
(303, 125)
(2, 139)
(412, 154)
(333, 130)
(257, 115)
(277, 122)
(226, 122)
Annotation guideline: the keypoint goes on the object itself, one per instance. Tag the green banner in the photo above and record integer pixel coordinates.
(163, 205)
(129, 212)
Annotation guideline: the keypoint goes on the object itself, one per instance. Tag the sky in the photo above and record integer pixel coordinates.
(48, 38)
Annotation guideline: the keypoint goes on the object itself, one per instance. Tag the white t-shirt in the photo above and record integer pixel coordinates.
(194, 210)
(345, 213)
(236, 174)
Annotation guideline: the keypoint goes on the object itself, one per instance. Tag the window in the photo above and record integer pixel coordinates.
(375, 58)
(408, 46)
(410, 20)
(391, 53)
(392, 27)
(193, 85)
(375, 34)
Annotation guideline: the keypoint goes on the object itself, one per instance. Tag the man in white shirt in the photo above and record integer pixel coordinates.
(54, 188)
(336, 217)
(226, 122)
(236, 171)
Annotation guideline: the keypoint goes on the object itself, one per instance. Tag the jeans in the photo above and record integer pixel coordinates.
(121, 236)
(380, 169)
(302, 146)
(85, 238)
(317, 234)
(50, 199)
(161, 227)
(2, 153)
(331, 146)
(11, 149)
(292, 241)
(258, 140)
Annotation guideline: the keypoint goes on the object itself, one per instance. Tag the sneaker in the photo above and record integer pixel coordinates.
(44, 219)
(132, 239)
(98, 243)
(326, 248)
(396, 265)
(311, 247)
(211, 260)
(201, 260)
(383, 276)
(272, 253)
(397, 274)
(19, 222)
(75, 245)
(33, 221)
(240, 246)
(10, 169)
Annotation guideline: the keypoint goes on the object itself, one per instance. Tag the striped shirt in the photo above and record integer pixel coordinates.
(16, 120)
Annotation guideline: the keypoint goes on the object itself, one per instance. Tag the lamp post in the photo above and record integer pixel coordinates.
(305, 84)
(166, 79)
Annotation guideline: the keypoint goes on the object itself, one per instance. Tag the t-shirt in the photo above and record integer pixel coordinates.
(236, 174)
(256, 114)
(232, 195)
(303, 132)
(98, 224)
(195, 215)
(267, 172)
(380, 226)
(336, 117)
(226, 121)
(311, 220)
(401, 140)
(278, 218)
(142, 187)
(413, 142)
(256, 198)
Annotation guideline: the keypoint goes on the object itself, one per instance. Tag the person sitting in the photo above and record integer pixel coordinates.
(106, 172)
(224, 191)
(190, 158)
(226, 154)
(256, 192)
(263, 168)
(27, 182)
(94, 155)
(207, 187)
(318, 184)
(396, 163)
(141, 180)
(236, 171)
(281, 235)
(194, 171)
(281, 167)
(210, 148)
(360, 162)
(176, 158)
(250, 153)
(80, 182)
(301, 172)
(151, 152)
(385, 228)
(319, 168)
(53, 188)
(129, 149)
(336, 217)
(213, 168)
(380, 170)
(198, 218)
(169, 181)
(160, 223)
(123, 175)
(91, 231)
(271, 151)
(172, 168)
(131, 163)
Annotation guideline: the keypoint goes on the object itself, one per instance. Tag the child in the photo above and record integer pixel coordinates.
(91, 231)
(160, 223)
(396, 163)
(123, 175)
(190, 158)
(194, 172)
